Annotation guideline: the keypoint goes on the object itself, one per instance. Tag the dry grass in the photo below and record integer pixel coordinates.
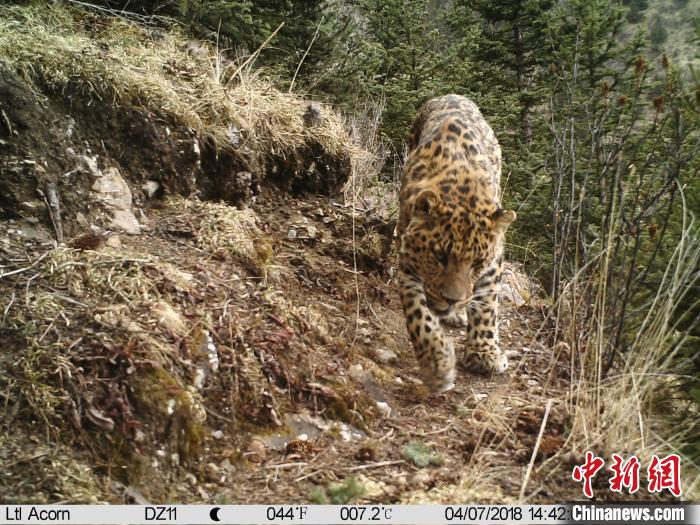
(631, 409)
(364, 189)
(192, 83)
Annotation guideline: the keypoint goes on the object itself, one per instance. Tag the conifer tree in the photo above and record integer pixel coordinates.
(514, 41)
(410, 59)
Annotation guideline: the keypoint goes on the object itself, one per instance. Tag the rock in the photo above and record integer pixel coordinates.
(208, 360)
(213, 473)
(112, 191)
(256, 452)
(233, 134)
(217, 434)
(385, 355)
(292, 234)
(384, 408)
(356, 371)
(114, 242)
(150, 188)
(313, 116)
(81, 220)
(169, 319)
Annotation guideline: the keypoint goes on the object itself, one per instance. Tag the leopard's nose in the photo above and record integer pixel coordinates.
(452, 295)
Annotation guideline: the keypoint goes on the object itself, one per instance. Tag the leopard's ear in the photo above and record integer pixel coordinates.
(502, 219)
(426, 202)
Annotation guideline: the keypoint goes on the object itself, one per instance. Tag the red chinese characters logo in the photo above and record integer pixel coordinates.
(665, 474)
(662, 474)
(625, 474)
(587, 471)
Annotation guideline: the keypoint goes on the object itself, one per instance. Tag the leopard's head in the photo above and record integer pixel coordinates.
(448, 245)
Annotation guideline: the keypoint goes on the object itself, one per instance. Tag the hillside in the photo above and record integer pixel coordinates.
(196, 309)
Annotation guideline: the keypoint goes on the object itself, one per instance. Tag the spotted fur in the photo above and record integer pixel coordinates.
(451, 228)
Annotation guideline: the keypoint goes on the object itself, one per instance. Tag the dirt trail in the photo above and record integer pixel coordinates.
(482, 433)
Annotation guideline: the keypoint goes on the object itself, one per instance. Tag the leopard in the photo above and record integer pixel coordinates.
(450, 232)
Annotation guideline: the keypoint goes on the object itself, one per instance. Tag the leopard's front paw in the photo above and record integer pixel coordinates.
(440, 383)
(457, 318)
(486, 361)
(438, 368)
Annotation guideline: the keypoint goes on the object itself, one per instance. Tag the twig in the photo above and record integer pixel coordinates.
(309, 475)
(257, 51)
(287, 465)
(534, 451)
(7, 122)
(376, 465)
(318, 27)
(354, 264)
(20, 270)
(54, 209)
(7, 308)
(440, 431)
(220, 416)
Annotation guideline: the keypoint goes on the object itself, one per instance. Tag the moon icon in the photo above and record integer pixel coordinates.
(214, 513)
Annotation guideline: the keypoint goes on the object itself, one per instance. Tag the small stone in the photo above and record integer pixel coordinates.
(217, 434)
(112, 191)
(356, 371)
(385, 355)
(312, 231)
(384, 408)
(114, 242)
(150, 187)
(212, 472)
(420, 478)
(256, 452)
(292, 234)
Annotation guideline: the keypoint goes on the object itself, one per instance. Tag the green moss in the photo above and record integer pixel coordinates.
(166, 404)
(318, 496)
(421, 455)
(337, 493)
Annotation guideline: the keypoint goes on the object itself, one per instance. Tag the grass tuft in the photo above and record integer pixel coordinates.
(230, 105)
